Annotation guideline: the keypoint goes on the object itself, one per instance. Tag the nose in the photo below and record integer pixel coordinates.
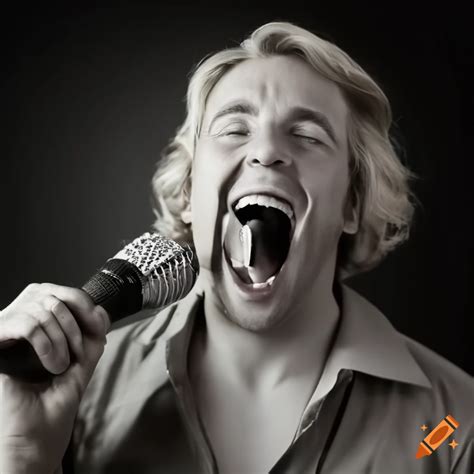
(267, 149)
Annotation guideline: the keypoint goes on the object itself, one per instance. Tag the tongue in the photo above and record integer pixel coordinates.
(257, 249)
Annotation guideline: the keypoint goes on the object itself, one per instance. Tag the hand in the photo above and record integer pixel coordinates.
(36, 419)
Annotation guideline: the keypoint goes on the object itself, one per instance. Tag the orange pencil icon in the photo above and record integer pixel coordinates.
(437, 437)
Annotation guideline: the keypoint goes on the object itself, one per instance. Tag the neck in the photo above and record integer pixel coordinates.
(296, 348)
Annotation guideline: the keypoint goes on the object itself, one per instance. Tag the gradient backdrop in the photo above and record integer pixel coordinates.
(91, 95)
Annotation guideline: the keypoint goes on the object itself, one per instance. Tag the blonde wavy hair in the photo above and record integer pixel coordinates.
(378, 180)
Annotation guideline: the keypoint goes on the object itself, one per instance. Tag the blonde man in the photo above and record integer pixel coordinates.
(284, 179)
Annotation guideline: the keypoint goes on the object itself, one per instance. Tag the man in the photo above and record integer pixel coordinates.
(284, 179)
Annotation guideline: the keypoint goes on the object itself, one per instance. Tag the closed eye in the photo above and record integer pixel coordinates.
(236, 132)
(236, 129)
(308, 138)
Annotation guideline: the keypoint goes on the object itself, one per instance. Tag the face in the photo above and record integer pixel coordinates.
(271, 127)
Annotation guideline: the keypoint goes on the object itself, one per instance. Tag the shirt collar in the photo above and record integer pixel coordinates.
(365, 341)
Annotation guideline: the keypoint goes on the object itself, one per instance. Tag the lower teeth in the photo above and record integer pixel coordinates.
(265, 284)
(244, 274)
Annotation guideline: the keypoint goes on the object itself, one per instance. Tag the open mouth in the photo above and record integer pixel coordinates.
(258, 238)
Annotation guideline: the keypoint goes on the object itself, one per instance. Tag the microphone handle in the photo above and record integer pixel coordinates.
(118, 290)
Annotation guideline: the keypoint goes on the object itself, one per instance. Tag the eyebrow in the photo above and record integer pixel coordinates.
(237, 108)
(301, 114)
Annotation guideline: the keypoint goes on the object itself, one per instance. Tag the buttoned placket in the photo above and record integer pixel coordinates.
(319, 423)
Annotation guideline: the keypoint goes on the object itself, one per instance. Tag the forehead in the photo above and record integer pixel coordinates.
(277, 84)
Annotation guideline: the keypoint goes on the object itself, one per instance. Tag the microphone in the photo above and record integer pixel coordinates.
(150, 272)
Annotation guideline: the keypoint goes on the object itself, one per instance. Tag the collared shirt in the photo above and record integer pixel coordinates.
(378, 391)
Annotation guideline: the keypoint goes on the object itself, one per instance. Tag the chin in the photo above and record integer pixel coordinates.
(251, 316)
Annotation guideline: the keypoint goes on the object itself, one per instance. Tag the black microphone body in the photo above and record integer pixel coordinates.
(150, 272)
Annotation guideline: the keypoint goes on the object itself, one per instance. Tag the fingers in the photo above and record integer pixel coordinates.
(90, 317)
(68, 325)
(44, 335)
(55, 320)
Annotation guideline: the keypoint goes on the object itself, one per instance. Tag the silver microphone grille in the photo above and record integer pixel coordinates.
(169, 270)
(152, 271)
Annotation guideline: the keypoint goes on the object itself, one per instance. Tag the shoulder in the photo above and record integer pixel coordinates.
(452, 392)
(450, 385)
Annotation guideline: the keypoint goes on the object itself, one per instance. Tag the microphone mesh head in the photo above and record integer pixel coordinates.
(150, 272)
(168, 269)
(149, 251)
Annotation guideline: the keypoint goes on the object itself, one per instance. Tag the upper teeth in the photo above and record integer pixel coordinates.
(267, 201)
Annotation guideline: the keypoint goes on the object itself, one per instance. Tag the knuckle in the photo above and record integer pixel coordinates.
(33, 287)
(45, 286)
(29, 328)
(28, 331)
(99, 311)
(49, 301)
(42, 316)
(80, 300)
(84, 300)
(58, 308)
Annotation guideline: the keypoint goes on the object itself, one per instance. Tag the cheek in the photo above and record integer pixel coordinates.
(326, 186)
(205, 213)
(210, 181)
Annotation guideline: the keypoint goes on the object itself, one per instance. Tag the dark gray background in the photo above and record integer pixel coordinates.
(90, 95)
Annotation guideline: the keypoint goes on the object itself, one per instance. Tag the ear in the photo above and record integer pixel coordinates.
(186, 214)
(351, 217)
